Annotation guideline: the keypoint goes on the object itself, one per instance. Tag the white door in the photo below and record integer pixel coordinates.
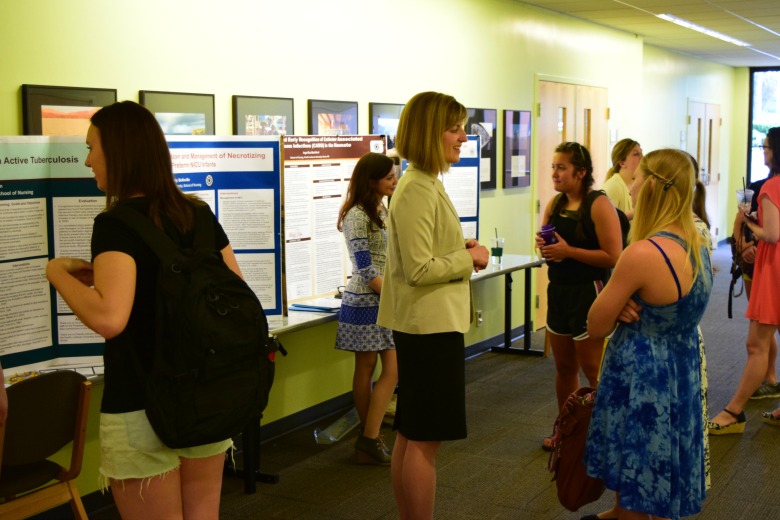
(704, 144)
(566, 112)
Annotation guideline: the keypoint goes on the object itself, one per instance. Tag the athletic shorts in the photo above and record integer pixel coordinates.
(568, 306)
(130, 449)
(431, 404)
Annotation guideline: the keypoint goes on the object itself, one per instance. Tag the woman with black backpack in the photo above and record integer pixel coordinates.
(114, 296)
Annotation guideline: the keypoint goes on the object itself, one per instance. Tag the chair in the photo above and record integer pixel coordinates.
(45, 413)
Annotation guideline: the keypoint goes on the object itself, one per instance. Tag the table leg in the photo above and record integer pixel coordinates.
(507, 348)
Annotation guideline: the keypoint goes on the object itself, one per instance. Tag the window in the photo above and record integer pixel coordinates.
(764, 114)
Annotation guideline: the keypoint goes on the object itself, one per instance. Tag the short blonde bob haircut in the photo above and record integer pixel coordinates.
(421, 128)
(666, 198)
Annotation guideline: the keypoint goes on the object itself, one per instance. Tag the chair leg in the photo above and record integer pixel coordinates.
(75, 502)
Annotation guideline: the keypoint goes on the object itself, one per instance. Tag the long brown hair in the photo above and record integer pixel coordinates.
(361, 192)
(138, 162)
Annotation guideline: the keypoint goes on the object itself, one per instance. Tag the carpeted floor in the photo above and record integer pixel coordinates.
(499, 471)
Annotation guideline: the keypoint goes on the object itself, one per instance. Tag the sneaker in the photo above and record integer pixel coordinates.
(767, 391)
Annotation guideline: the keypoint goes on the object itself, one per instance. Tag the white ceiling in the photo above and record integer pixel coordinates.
(756, 22)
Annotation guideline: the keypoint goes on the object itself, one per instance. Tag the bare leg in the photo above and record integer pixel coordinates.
(771, 371)
(365, 365)
(413, 471)
(567, 368)
(155, 497)
(396, 474)
(381, 394)
(758, 341)
(201, 485)
(589, 358)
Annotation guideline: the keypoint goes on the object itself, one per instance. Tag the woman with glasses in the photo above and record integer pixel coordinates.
(646, 433)
(746, 246)
(362, 220)
(764, 306)
(588, 242)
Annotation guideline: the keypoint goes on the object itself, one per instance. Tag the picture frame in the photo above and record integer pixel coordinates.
(54, 110)
(181, 113)
(258, 115)
(384, 119)
(333, 117)
(517, 148)
(483, 122)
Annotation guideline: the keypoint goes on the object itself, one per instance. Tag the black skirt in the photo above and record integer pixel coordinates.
(431, 386)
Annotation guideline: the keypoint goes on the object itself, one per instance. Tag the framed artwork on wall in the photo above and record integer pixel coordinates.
(333, 117)
(482, 122)
(254, 115)
(181, 113)
(517, 148)
(52, 110)
(384, 120)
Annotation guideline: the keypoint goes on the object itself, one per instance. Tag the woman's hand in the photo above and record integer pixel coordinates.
(748, 254)
(81, 270)
(630, 312)
(479, 254)
(554, 252)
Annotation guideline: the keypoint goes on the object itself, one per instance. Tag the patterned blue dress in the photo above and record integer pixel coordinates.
(645, 439)
(357, 329)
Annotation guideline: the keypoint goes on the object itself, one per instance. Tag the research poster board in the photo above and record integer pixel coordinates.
(316, 174)
(462, 185)
(48, 201)
(240, 178)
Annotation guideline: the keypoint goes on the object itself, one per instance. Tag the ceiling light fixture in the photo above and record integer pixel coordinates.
(709, 32)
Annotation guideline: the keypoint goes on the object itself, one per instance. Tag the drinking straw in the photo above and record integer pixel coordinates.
(744, 193)
(496, 232)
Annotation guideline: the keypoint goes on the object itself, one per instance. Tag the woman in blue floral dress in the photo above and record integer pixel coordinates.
(361, 219)
(645, 439)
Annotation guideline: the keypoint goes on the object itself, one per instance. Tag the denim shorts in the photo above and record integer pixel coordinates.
(130, 449)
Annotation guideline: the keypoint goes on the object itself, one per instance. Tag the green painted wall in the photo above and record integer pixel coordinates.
(487, 53)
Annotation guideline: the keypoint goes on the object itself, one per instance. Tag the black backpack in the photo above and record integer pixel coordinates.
(587, 223)
(213, 366)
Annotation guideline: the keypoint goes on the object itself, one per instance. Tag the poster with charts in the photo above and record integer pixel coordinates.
(317, 170)
(49, 199)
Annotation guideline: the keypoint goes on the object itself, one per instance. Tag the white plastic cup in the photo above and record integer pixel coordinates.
(496, 250)
(744, 198)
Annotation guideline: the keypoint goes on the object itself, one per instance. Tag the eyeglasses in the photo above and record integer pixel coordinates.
(765, 147)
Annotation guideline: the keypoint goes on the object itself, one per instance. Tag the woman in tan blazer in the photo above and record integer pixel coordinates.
(425, 298)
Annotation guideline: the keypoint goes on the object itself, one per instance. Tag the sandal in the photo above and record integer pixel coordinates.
(547, 443)
(769, 418)
(737, 427)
